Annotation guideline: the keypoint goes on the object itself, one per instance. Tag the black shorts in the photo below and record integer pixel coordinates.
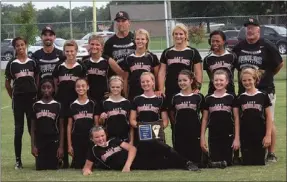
(80, 146)
(252, 151)
(220, 148)
(189, 147)
(47, 155)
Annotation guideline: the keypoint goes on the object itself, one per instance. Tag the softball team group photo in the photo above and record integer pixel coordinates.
(110, 110)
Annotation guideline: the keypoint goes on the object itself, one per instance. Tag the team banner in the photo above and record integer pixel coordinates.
(151, 131)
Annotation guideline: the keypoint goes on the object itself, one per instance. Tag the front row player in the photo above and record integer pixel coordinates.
(47, 134)
(255, 121)
(222, 120)
(115, 154)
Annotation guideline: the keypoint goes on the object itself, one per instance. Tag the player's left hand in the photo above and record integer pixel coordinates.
(126, 169)
(266, 141)
(196, 91)
(107, 95)
(60, 153)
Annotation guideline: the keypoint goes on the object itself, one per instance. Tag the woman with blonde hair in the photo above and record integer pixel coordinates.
(137, 63)
(176, 58)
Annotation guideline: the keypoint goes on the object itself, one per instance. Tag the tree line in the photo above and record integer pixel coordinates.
(35, 20)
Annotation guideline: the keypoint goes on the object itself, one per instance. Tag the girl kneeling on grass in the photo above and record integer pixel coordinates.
(83, 116)
(255, 120)
(115, 154)
(222, 119)
(46, 139)
(115, 111)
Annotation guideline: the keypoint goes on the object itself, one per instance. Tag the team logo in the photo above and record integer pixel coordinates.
(251, 20)
(121, 14)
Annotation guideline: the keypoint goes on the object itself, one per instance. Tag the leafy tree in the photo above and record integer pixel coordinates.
(27, 17)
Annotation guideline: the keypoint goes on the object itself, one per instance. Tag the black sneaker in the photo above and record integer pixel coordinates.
(271, 157)
(18, 165)
(236, 161)
(219, 164)
(191, 166)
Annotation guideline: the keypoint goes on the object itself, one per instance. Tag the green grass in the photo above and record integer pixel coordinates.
(274, 171)
(159, 43)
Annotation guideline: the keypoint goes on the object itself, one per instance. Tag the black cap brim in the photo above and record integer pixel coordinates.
(51, 31)
(123, 18)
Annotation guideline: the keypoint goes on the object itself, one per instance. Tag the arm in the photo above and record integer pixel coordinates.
(96, 120)
(133, 119)
(56, 82)
(278, 68)
(155, 72)
(8, 87)
(131, 155)
(33, 141)
(115, 67)
(171, 117)
(69, 136)
(164, 118)
(126, 86)
(198, 72)
(161, 77)
(203, 129)
(61, 147)
(236, 142)
(267, 139)
(87, 169)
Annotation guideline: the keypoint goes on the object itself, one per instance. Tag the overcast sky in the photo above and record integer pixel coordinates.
(43, 5)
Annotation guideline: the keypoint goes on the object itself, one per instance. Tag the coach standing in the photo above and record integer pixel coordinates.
(47, 57)
(260, 54)
(122, 44)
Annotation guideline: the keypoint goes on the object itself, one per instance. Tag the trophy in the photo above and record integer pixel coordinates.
(155, 129)
(148, 131)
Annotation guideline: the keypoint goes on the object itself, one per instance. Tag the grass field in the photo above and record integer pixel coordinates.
(270, 172)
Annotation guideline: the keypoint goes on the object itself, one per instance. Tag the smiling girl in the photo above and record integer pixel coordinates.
(186, 108)
(255, 120)
(222, 119)
(21, 71)
(137, 63)
(65, 76)
(97, 66)
(83, 116)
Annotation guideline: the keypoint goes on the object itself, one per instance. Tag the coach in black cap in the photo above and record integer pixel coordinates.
(122, 43)
(260, 54)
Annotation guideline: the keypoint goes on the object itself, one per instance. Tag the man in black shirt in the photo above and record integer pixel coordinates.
(49, 56)
(122, 44)
(260, 54)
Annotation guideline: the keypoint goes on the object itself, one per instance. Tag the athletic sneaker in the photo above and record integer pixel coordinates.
(191, 166)
(18, 165)
(271, 157)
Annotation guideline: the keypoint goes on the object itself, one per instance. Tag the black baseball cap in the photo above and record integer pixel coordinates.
(48, 29)
(252, 21)
(122, 15)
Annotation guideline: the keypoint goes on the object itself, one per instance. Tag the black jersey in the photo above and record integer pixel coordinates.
(46, 119)
(227, 62)
(252, 118)
(119, 48)
(187, 113)
(23, 76)
(148, 108)
(135, 66)
(46, 62)
(67, 78)
(261, 55)
(117, 122)
(97, 75)
(113, 156)
(83, 116)
(220, 114)
(176, 61)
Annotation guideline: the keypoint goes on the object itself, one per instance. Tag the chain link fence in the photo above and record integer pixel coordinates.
(156, 28)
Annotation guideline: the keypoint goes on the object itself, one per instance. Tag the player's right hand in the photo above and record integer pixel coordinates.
(104, 115)
(34, 151)
(159, 93)
(71, 151)
(203, 145)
